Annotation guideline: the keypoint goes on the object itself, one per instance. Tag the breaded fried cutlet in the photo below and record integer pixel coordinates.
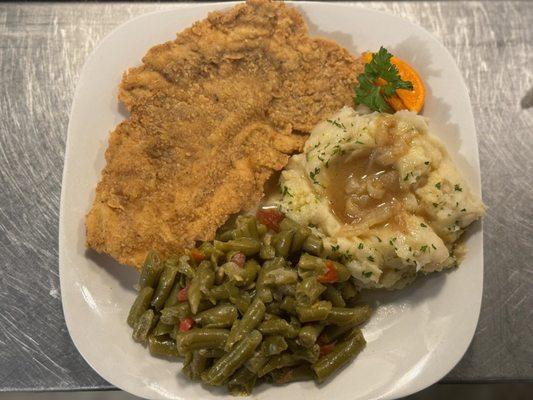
(213, 114)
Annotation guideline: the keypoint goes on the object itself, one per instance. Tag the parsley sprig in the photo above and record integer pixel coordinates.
(372, 94)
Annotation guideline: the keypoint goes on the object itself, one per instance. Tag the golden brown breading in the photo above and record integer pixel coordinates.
(212, 115)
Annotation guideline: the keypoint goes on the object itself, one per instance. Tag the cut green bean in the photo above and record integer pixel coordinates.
(166, 281)
(282, 242)
(348, 316)
(313, 245)
(339, 356)
(201, 338)
(162, 329)
(221, 316)
(279, 361)
(151, 270)
(141, 304)
(317, 312)
(250, 320)
(242, 382)
(273, 345)
(225, 366)
(196, 366)
(278, 326)
(292, 374)
(308, 335)
(201, 284)
(309, 290)
(162, 347)
(143, 326)
(334, 296)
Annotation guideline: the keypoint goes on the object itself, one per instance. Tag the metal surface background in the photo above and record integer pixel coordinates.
(42, 49)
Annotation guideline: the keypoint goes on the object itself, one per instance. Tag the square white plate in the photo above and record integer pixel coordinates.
(416, 335)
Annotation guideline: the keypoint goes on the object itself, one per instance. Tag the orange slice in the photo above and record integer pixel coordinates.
(412, 100)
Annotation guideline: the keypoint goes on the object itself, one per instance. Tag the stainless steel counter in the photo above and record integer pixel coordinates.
(42, 49)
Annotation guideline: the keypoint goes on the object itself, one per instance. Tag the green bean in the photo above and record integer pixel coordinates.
(141, 304)
(221, 316)
(256, 362)
(348, 290)
(334, 296)
(242, 382)
(247, 225)
(317, 312)
(184, 267)
(292, 374)
(349, 316)
(262, 291)
(245, 245)
(251, 318)
(277, 326)
(311, 263)
(227, 235)
(222, 292)
(288, 304)
(267, 251)
(171, 315)
(261, 229)
(162, 329)
(343, 273)
(207, 249)
(166, 281)
(308, 335)
(172, 298)
(160, 346)
(241, 300)
(309, 354)
(282, 242)
(150, 271)
(333, 332)
(196, 366)
(339, 356)
(212, 353)
(225, 366)
(201, 338)
(281, 276)
(313, 245)
(251, 269)
(309, 290)
(273, 345)
(279, 361)
(201, 284)
(143, 326)
(300, 233)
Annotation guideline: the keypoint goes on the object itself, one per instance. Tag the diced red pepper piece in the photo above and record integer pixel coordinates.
(270, 218)
(331, 274)
(186, 324)
(239, 259)
(183, 294)
(326, 349)
(197, 255)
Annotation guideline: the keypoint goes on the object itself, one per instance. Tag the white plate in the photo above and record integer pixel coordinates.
(416, 336)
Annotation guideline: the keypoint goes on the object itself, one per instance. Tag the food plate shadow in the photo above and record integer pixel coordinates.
(127, 277)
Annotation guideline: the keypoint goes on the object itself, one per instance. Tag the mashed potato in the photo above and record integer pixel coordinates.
(383, 195)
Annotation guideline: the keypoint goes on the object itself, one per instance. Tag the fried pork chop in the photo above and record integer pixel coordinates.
(212, 115)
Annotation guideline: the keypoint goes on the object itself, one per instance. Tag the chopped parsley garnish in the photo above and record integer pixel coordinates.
(286, 191)
(426, 162)
(458, 188)
(424, 248)
(435, 205)
(463, 210)
(360, 247)
(438, 185)
(432, 245)
(367, 274)
(337, 124)
(423, 225)
(335, 247)
(374, 96)
(370, 258)
(379, 239)
(313, 175)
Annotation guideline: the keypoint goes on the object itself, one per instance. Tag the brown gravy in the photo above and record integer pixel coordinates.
(361, 188)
